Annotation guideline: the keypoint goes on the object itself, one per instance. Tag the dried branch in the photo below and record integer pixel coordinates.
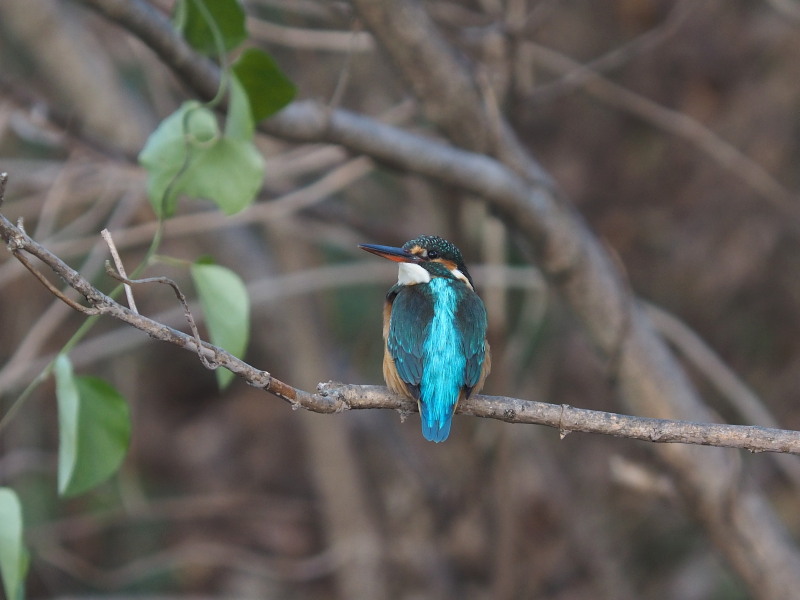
(25, 353)
(303, 197)
(571, 80)
(311, 39)
(337, 397)
(729, 158)
(787, 8)
(737, 517)
(120, 268)
(86, 310)
(187, 313)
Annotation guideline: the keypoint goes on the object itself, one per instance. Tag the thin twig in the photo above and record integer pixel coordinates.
(269, 289)
(571, 80)
(120, 268)
(787, 8)
(737, 516)
(87, 310)
(725, 154)
(3, 181)
(336, 397)
(335, 180)
(16, 244)
(207, 363)
(54, 316)
(348, 42)
(746, 403)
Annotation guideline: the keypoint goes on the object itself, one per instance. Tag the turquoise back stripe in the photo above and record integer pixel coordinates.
(443, 374)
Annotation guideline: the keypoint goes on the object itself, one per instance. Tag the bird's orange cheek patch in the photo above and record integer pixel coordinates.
(447, 263)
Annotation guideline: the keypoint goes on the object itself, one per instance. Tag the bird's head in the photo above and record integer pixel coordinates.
(424, 257)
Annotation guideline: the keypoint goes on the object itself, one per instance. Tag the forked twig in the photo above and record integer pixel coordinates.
(207, 362)
(16, 246)
(331, 397)
(120, 267)
(87, 310)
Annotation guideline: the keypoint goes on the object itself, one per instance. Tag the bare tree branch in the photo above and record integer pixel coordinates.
(745, 402)
(337, 397)
(737, 517)
(112, 247)
(187, 313)
(311, 39)
(729, 158)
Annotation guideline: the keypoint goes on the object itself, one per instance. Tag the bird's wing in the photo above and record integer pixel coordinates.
(471, 315)
(412, 312)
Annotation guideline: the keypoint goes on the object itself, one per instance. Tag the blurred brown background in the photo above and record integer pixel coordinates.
(680, 146)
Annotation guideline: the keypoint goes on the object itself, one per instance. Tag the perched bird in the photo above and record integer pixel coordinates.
(434, 331)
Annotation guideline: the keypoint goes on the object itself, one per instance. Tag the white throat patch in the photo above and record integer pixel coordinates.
(411, 274)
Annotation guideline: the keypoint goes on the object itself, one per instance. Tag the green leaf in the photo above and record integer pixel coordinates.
(227, 16)
(94, 430)
(187, 155)
(13, 555)
(226, 306)
(240, 123)
(166, 153)
(268, 89)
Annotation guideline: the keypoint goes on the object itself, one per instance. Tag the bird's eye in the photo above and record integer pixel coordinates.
(432, 254)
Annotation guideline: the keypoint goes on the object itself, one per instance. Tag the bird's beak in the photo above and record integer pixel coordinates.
(390, 252)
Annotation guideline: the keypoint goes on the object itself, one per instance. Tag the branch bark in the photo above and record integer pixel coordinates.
(333, 397)
(651, 382)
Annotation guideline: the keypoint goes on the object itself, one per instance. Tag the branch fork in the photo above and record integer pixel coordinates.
(334, 397)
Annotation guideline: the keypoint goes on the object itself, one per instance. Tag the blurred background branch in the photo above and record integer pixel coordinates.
(335, 397)
(616, 99)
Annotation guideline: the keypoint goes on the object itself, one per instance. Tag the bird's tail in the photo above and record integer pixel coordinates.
(435, 427)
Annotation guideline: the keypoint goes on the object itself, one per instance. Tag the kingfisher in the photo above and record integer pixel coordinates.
(434, 331)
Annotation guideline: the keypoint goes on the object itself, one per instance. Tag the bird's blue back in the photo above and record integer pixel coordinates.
(436, 337)
(443, 375)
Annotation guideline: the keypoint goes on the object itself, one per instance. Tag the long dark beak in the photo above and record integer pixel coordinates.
(390, 252)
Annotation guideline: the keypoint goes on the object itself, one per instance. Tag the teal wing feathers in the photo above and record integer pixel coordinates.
(406, 339)
(471, 314)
